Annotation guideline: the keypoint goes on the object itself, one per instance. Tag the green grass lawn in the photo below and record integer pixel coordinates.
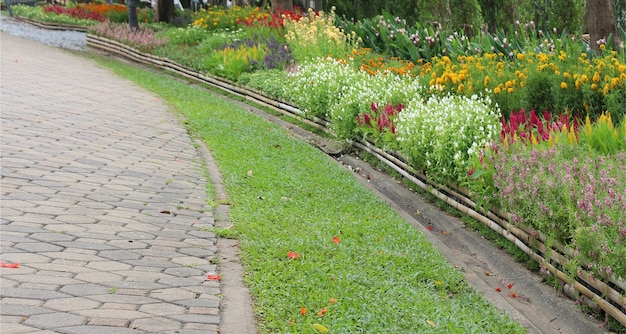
(357, 267)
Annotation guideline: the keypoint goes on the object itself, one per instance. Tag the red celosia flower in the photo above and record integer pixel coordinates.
(293, 255)
(336, 240)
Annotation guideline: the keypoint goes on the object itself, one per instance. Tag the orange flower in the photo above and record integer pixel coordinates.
(303, 311)
(322, 312)
(293, 255)
(332, 301)
(336, 240)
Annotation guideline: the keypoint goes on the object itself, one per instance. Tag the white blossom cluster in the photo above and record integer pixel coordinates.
(320, 83)
(381, 89)
(442, 135)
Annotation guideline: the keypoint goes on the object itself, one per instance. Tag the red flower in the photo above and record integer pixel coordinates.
(293, 255)
(510, 285)
(303, 311)
(322, 312)
(336, 239)
(332, 301)
(213, 277)
(513, 295)
(430, 227)
(498, 289)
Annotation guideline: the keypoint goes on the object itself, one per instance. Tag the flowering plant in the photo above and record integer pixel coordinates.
(442, 135)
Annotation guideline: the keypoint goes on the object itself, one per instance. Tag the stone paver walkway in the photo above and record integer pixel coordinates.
(103, 204)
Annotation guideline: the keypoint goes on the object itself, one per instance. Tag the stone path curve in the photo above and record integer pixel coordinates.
(103, 204)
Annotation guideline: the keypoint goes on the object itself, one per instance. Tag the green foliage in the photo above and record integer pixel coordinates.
(540, 91)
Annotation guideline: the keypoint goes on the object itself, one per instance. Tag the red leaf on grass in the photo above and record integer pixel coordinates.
(213, 277)
(9, 265)
(293, 255)
(322, 312)
(336, 240)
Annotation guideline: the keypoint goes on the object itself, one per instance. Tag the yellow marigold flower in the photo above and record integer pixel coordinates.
(496, 90)
(594, 86)
(606, 89)
(520, 56)
(486, 81)
(583, 78)
(602, 47)
(510, 90)
(508, 84)
(596, 77)
(563, 85)
(577, 83)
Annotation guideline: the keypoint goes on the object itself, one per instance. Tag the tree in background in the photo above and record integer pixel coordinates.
(165, 11)
(601, 22)
(282, 4)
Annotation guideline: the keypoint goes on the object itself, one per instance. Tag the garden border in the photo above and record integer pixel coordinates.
(604, 294)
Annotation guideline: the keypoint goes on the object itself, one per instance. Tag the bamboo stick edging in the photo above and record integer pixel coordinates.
(52, 25)
(456, 199)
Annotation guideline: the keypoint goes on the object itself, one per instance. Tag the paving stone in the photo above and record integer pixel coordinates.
(180, 282)
(185, 260)
(172, 294)
(13, 328)
(184, 272)
(84, 289)
(55, 320)
(71, 304)
(197, 252)
(112, 314)
(99, 277)
(112, 298)
(25, 258)
(121, 306)
(204, 310)
(108, 322)
(41, 277)
(127, 244)
(117, 255)
(21, 301)
(23, 310)
(108, 266)
(40, 286)
(52, 237)
(156, 324)
(38, 247)
(86, 245)
(199, 302)
(205, 328)
(31, 294)
(197, 318)
(162, 309)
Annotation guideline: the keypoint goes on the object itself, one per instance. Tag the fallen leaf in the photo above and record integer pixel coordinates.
(212, 277)
(444, 232)
(167, 212)
(293, 255)
(321, 328)
(336, 240)
(292, 321)
(9, 265)
(513, 295)
(250, 173)
(431, 323)
(287, 199)
(488, 273)
(438, 283)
